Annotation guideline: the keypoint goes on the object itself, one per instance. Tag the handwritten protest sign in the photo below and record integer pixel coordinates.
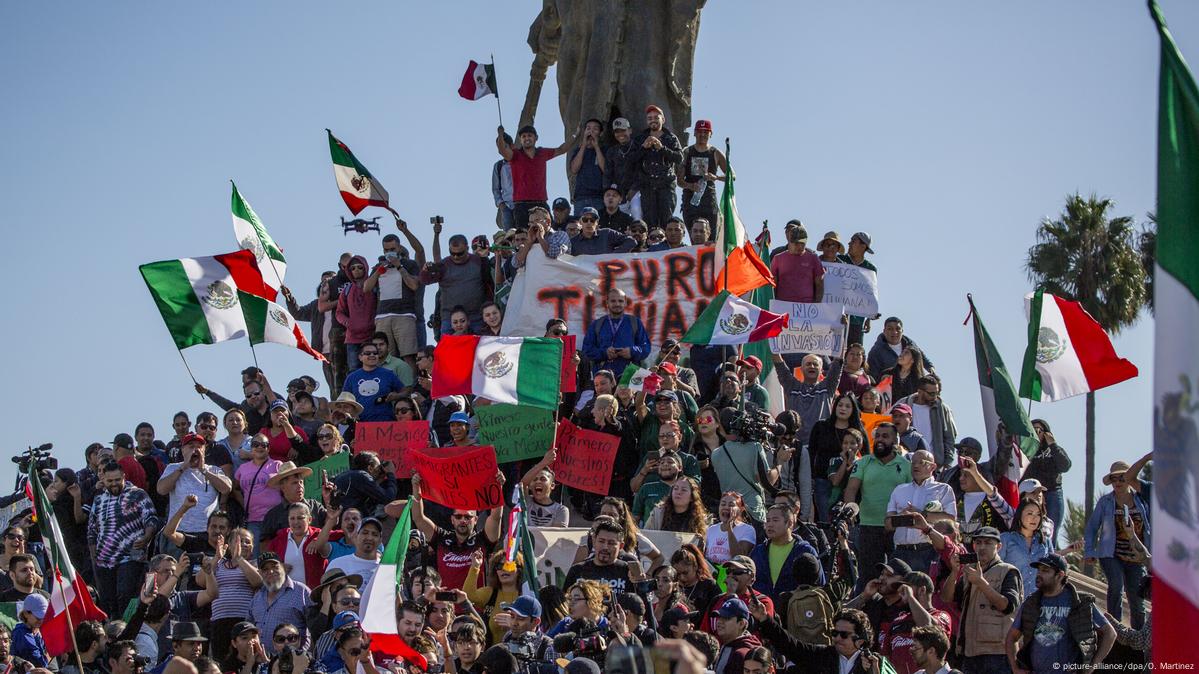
(585, 458)
(517, 432)
(12, 510)
(854, 287)
(811, 328)
(333, 465)
(392, 440)
(460, 477)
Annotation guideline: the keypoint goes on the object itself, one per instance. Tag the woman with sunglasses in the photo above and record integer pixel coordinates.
(330, 441)
(1119, 516)
(14, 544)
(254, 493)
(353, 646)
(503, 587)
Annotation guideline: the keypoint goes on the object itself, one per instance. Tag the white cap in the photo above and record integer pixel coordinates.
(1031, 485)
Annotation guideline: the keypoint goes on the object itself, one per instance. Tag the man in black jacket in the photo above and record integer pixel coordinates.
(850, 651)
(652, 161)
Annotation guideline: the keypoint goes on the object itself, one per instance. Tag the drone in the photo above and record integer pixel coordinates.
(359, 225)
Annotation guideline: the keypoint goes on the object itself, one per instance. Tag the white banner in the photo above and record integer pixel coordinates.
(667, 290)
(854, 287)
(811, 328)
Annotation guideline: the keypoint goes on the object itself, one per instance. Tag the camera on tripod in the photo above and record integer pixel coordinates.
(39, 456)
(755, 425)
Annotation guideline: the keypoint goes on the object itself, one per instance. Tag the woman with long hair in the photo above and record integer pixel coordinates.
(1025, 543)
(329, 440)
(237, 442)
(586, 601)
(667, 594)
(825, 444)
(854, 377)
(238, 579)
(732, 534)
(906, 373)
(758, 661)
(709, 438)
(288, 443)
(682, 510)
(695, 578)
(503, 587)
(493, 319)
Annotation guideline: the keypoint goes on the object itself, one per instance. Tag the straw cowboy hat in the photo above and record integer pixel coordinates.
(286, 470)
(348, 399)
(1118, 468)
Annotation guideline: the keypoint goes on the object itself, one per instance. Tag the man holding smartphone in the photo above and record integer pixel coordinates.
(912, 545)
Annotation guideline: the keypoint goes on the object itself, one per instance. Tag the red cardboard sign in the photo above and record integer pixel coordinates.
(570, 379)
(462, 478)
(585, 458)
(392, 441)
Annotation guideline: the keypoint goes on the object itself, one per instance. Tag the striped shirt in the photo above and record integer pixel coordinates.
(287, 608)
(117, 522)
(236, 593)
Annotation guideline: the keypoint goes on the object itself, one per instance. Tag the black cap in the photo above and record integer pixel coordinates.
(1053, 561)
(895, 566)
(265, 557)
(561, 202)
(986, 532)
(243, 627)
(123, 440)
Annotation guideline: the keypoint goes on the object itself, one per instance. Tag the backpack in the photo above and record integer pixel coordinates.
(810, 615)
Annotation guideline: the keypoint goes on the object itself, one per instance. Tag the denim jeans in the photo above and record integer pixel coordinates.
(1124, 577)
(1055, 508)
(822, 489)
(118, 585)
(583, 202)
(920, 560)
(505, 217)
(352, 361)
(986, 664)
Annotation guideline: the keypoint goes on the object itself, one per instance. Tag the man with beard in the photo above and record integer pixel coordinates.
(279, 601)
(604, 565)
(193, 480)
(930, 646)
(411, 622)
(610, 216)
(774, 557)
(365, 560)
(91, 643)
(528, 170)
(675, 233)
(873, 478)
(22, 573)
(594, 240)
(1061, 628)
(453, 549)
(616, 340)
(120, 527)
(655, 154)
(8, 661)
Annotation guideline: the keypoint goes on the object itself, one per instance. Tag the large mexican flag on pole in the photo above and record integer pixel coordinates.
(1176, 363)
(198, 298)
(358, 187)
(252, 236)
(738, 269)
(379, 606)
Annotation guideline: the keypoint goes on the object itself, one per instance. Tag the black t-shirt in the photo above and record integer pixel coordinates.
(701, 595)
(12, 594)
(614, 575)
(196, 547)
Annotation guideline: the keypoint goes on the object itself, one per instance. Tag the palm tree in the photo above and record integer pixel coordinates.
(1091, 257)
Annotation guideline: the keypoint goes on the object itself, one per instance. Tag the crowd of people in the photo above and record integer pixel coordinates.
(816, 544)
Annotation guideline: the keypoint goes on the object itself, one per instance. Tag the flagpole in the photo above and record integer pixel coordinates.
(188, 368)
(70, 623)
(497, 93)
(40, 495)
(253, 353)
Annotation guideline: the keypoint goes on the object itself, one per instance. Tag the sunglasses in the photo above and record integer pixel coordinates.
(14, 537)
(324, 436)
(256, 443)
(368, 353)
(586, 219)
(841, 633)
(287, 638)
(461, 517)
(348, 601)
(355, 651)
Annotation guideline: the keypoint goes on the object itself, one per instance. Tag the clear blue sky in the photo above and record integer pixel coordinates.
(946, 131)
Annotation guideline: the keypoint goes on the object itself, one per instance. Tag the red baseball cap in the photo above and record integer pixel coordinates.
(669, 367)
(190, 438)
(653, 108)
(704, 124)
(751, 361)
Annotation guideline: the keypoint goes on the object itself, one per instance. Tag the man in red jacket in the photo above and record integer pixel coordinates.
(732, 630)
(740, 581)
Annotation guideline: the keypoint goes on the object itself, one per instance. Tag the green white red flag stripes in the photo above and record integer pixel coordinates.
(479, 81)
(1068, 352)
(1176, 362)
(378, 610)
(252, 236)
(638, 378)
(516, 370)
(738, 268)
(198, 298)
(269, 322)
(70, 602)
(358, 187)
(768, 378)
(731, 320)
(1001, 404)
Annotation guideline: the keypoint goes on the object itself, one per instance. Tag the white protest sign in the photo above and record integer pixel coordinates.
(811, 328)
(556, 549)
(851, 286)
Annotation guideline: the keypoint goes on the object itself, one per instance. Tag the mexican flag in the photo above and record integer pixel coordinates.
(738, 268)
(358, 187)
(516, 370)
(198, 297)
(479, 81)
(70, 603)
(639, 379)
(761, 297)
(252, 236)
(1068, 352)
(269, 322)
(731, 320)
(1176, 363)
(1000, 403)
(526, 544)
(379, 604)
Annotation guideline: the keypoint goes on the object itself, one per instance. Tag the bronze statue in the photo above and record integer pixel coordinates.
(614, 58)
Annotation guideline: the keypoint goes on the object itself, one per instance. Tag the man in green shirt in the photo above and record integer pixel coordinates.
(873, 478)
(651, 493)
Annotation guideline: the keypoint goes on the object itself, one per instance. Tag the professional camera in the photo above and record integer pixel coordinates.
(40, 455)
(584, 639)
(844, 513)
(755, 425)
(140, 662)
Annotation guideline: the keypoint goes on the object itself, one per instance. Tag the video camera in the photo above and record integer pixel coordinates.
(843, 513)
(39, 455)
(756, 425)
(585, 639)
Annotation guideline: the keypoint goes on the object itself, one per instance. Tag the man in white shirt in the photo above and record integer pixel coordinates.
(912, 545)
(193, 477)
(365, 560)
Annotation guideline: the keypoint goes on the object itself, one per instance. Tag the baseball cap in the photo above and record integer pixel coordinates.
(621, 124)
(676, 615)
(734, 608)
(371, 520)
(345, 619)
(561, 202)
(189, 439)
(125, 441)
(243, 627)
(803, 233)
(459, 418)
(740, 563)
(669, 367)
(613, 188)
(267, 557)
(1053, 561)
(1030, 485)
(589, 211)
(864, 238)
(480, 240)
(37, 605)
(704, 124)
(901, 408)
(751, 361)
(987, 532)
(524, 606)
(894, 566)
(653, 108)
(666, 395)
(278, 403)
(970, 443)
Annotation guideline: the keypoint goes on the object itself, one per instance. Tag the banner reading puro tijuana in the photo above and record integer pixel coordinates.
(667, 290)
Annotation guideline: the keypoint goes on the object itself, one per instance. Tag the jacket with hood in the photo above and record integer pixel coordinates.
(731, 659)
(356, 308)
(882, 356)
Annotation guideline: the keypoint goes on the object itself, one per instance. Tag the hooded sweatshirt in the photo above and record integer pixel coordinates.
(356, 307)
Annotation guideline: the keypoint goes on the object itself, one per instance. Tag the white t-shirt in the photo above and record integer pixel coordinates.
(922, 420)
(717, 541)
(293, 559)
(192, 482)
(353, 564)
